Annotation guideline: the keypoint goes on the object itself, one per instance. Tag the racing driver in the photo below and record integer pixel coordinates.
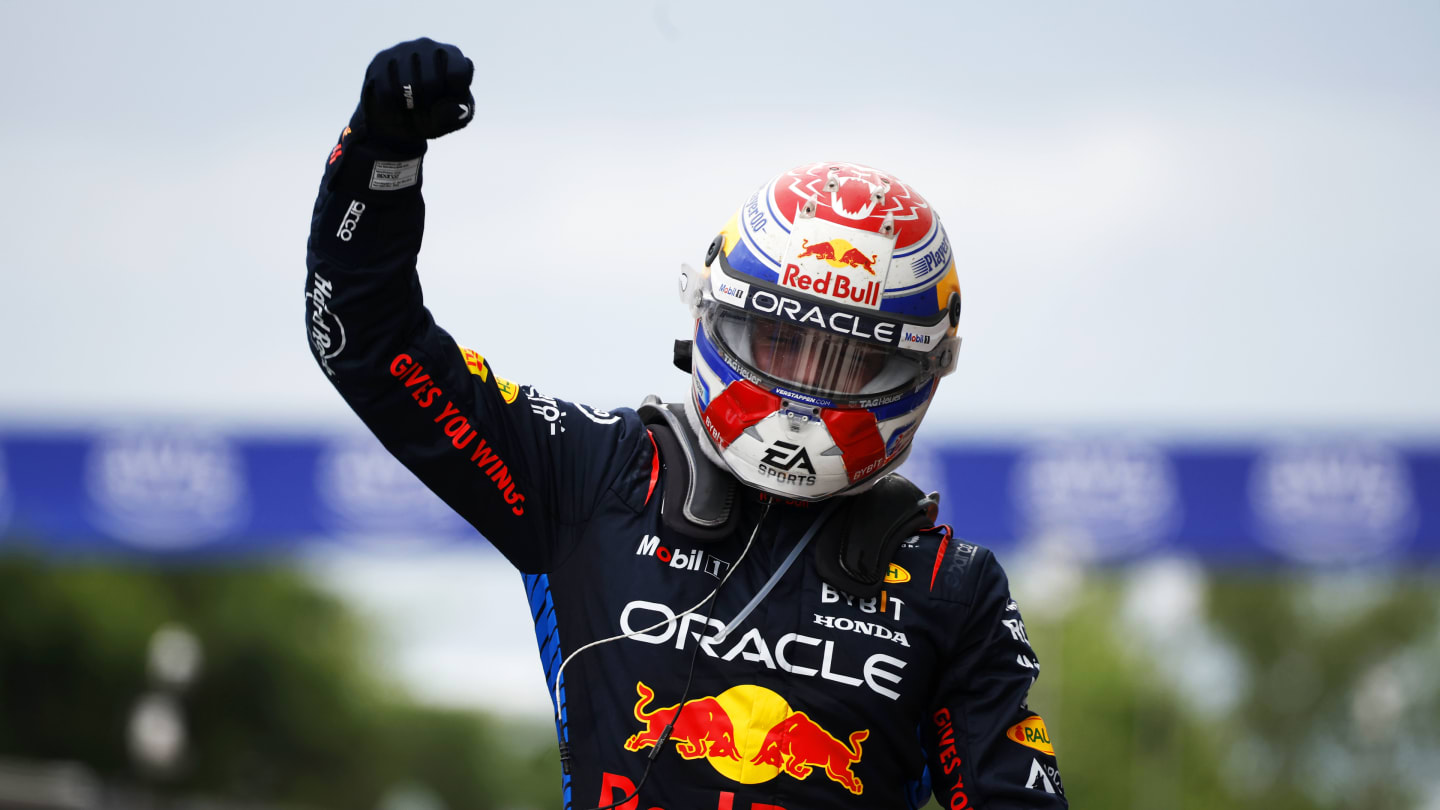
(738, 604)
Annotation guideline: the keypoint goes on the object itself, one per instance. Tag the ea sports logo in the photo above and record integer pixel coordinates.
(788, 464)
(786, 456)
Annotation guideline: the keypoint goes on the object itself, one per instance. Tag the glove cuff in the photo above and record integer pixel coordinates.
(361, 164)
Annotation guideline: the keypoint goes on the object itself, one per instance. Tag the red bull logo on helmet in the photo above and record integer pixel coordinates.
(838, 253)
(836, 263)
(832, 285)
(751, 735)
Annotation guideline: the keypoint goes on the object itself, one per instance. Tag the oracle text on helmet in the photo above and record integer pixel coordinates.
(842, 323)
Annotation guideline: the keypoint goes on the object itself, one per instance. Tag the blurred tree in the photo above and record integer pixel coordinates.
(1123, 736)
(1345, 703)
(288, 705)
(72, 660)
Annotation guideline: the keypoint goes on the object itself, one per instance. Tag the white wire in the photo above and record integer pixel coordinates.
(658, 624)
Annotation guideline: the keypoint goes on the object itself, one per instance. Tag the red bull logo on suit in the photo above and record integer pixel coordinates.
(750, 734)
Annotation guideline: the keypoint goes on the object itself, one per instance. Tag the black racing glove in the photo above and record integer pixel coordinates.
(413, 92)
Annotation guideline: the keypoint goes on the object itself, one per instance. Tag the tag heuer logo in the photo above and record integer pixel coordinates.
(786, 456)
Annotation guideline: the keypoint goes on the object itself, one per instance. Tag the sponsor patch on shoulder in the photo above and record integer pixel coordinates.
(1031, 732)
(475, 362)
(508, 390)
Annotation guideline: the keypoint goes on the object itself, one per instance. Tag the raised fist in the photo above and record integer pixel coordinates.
(417, 90)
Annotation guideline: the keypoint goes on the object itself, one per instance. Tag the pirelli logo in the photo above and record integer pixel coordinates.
(477, 365)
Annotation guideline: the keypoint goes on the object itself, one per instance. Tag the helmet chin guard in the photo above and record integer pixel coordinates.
(751, 452)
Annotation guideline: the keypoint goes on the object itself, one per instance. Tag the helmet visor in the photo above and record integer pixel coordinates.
(811, 360)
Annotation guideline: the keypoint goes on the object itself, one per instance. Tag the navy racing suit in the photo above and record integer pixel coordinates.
(817, 699)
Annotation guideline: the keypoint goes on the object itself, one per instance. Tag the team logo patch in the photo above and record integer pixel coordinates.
(849, 267)
(477, 365)
(1039, 779)
(838, 253)
(1031, 732)
(751, 735)
(508, 390)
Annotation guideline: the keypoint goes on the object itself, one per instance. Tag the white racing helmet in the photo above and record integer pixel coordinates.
(825, 316)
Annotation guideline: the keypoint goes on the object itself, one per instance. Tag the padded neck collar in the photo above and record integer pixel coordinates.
(852, 551)
(699, 500)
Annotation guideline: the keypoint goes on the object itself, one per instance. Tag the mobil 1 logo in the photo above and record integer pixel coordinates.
(788, 463)
(684, 559)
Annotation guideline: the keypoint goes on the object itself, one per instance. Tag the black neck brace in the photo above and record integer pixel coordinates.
(698, 500)
(852, 553)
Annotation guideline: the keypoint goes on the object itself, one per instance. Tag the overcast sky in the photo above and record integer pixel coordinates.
(1193, 217)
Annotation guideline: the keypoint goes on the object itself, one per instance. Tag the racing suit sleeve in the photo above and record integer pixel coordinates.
(985, 748)
(524, 469)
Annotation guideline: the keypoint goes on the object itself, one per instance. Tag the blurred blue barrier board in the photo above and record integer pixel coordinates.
(185, 492)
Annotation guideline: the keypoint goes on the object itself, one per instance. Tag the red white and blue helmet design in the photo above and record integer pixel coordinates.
(825, 317)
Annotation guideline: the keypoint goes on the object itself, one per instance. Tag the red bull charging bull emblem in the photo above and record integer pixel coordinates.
(750, 734)
(702, 730)
(843, 264)
(848, 255)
